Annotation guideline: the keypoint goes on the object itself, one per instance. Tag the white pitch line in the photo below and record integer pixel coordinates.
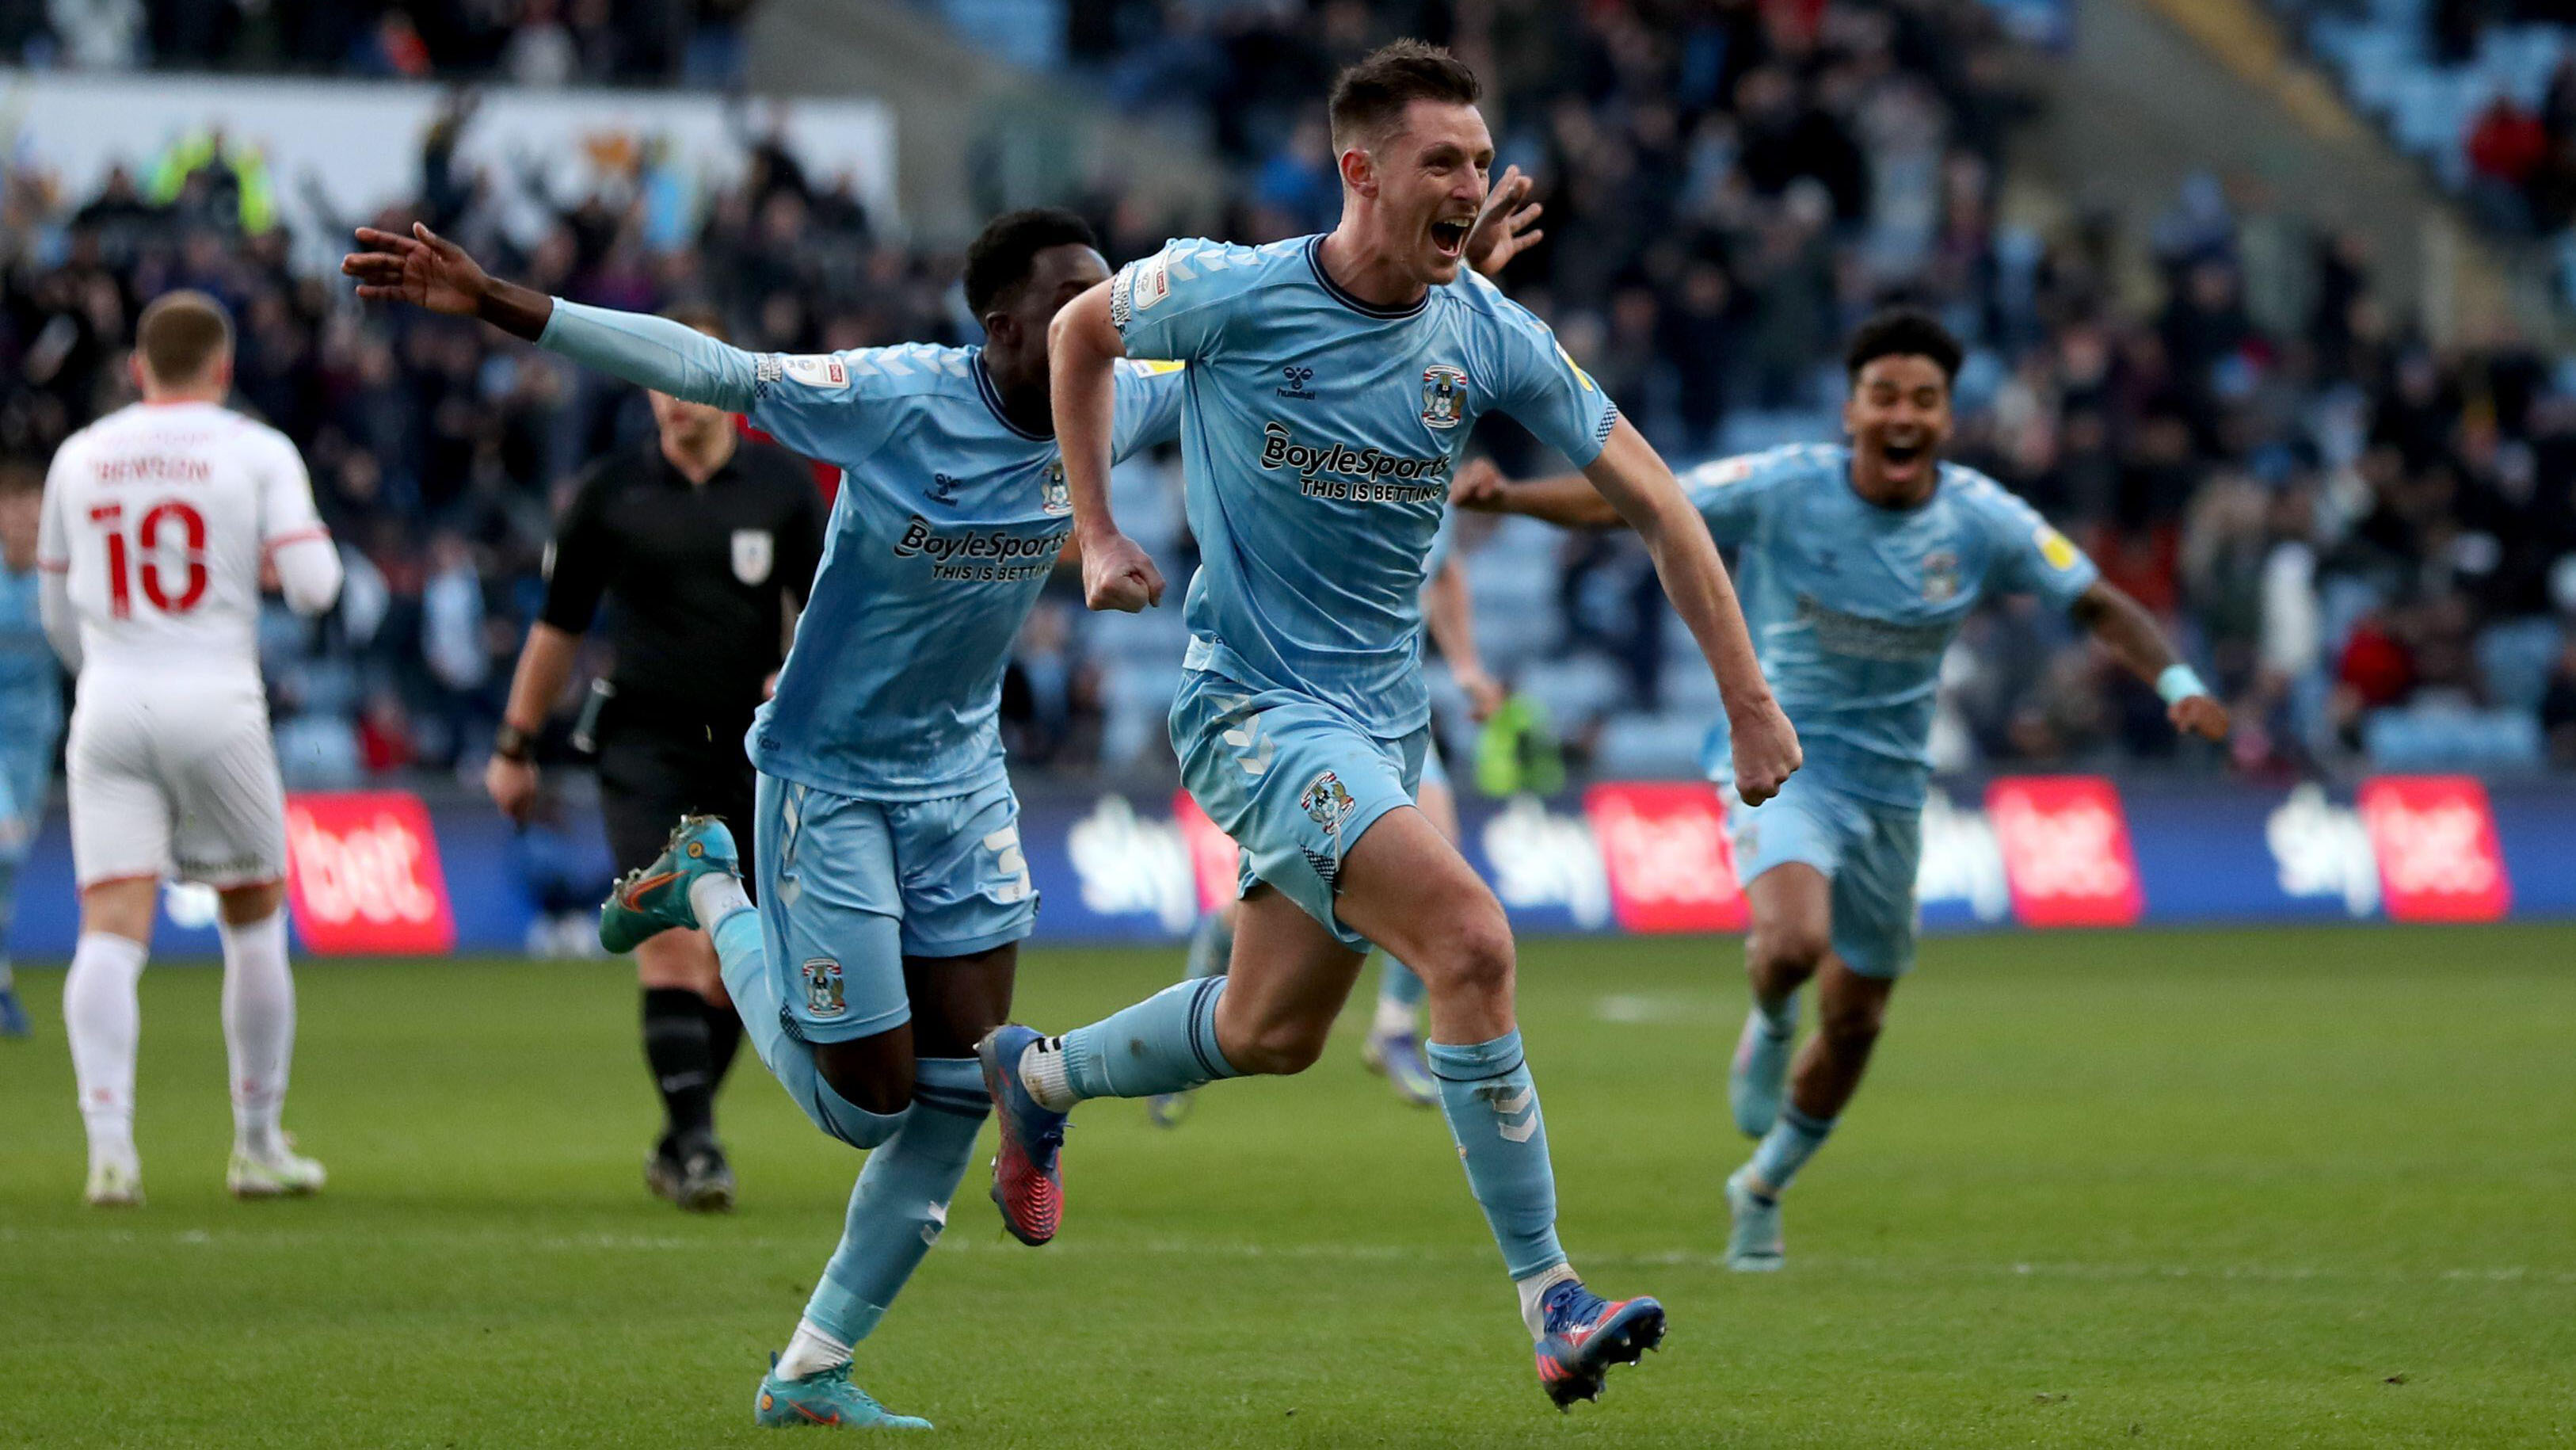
(1312, 1252)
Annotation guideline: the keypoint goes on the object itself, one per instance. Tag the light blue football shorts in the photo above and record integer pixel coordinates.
(1294, 781)
(849, 888)
(1869, 850)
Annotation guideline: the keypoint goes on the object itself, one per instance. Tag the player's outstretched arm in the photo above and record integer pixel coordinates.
(1083, 349)
(429, 271)
(1633, 478)
(1449, 612)
(1568, 500)
(2129, 632)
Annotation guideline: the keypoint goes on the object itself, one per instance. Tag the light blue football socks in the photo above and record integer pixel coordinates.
(1397, 983)
(901, 1202)
(1164, 1044)
(1492, 1108)
(1786, 1148)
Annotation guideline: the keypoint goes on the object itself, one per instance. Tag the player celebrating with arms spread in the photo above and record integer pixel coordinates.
(1860, 562)
(1331, 384)
(893, 891)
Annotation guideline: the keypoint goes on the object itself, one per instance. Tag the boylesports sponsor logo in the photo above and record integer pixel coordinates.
(1362, 475)
(979, 556)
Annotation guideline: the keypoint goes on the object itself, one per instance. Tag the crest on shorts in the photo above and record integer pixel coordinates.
(754, 550)
(1444, 395)
(1327, 801)
(824, 996)
(1940, 577)
(1057, 501)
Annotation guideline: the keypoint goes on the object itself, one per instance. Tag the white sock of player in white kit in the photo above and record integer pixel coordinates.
(259, 1030)
(102, 1016)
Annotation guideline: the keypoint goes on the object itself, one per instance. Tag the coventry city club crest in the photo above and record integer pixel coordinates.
(1327, 801)
(1940, 577)
(1058, 499)
(823, 992)
(1444, 395)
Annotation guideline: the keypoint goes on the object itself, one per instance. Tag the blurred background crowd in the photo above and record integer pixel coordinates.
(2368, 541)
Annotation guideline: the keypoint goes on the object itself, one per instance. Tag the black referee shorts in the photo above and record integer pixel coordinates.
(652, 772)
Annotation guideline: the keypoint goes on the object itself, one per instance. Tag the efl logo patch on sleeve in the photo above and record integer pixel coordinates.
(817, 370)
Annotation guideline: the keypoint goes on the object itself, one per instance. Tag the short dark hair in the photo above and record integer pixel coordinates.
(1904, 332)
(999, 258)
(1370, 97)
(180, 334)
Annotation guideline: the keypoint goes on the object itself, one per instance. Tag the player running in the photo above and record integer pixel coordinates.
(1393, 1047)
(158, 519)
(1861, 561)
(31, 709)
(1332, 381)
(893, 891)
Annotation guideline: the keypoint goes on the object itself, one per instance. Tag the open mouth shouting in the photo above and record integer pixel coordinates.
(1449, 236)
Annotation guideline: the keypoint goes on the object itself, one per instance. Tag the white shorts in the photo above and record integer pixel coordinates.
(174, 777)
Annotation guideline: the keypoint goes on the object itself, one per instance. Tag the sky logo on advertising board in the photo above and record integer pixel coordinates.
(2323, 849)
(2436, 843)
(1665, 851)
(363, 876)
(1962, 861)
(2066, 850)
(1129, 866)
(1543, 860)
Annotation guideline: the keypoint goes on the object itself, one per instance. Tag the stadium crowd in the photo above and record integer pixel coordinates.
(2368, 541)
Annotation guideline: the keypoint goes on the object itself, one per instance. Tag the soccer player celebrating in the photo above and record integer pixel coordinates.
(1393, 1048)
(1861, 561)
(158, 519)
(705, 543)
(1332, 381)
(893, 891)
(31, 708)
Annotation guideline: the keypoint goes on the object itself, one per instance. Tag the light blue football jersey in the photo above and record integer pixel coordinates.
(1318, 437)
(1851, 605)
(31, 696)
(948, 522)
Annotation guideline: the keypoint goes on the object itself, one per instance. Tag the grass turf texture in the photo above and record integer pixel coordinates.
(2220, 1188)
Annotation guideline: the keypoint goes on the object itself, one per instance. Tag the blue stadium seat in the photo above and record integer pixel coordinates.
(2516, 656)
(2450, 737)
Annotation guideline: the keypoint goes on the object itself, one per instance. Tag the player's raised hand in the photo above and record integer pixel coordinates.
(1766, 751)
(423, 269)
(1118, 574)
(1505, 228)
(2199, 715)
(1479, 486)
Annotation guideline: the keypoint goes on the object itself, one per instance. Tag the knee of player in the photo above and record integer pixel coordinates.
(1796, 947)
(870, 1081)
(1476, 958)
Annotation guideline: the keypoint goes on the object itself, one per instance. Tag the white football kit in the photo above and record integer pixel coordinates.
(157, 519)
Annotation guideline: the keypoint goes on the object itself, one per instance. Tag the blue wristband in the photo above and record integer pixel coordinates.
(2179, 683)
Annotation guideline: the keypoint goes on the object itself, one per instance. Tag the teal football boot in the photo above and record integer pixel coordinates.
(654, 898)
(825, 1397)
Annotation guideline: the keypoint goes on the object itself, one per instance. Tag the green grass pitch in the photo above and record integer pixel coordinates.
(2257, 1188)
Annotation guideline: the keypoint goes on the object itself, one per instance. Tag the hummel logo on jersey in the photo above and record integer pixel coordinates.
(1297, 378)
(1382, 477)
(943, 489)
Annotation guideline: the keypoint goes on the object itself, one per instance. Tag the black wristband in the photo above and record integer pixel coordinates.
(513, 744)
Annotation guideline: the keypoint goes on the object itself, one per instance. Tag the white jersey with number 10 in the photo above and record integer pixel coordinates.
(159, 516)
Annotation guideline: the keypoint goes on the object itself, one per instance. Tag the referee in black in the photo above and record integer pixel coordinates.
(703, 543)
